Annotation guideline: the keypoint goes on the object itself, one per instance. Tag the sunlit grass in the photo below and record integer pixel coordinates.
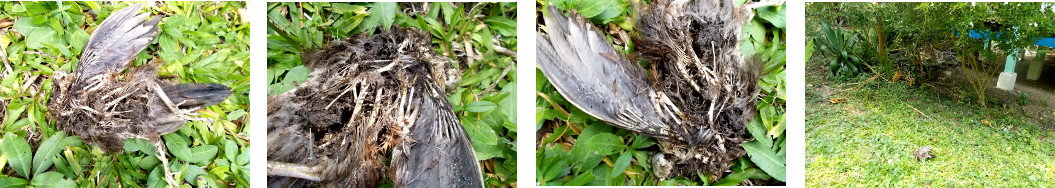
(868, 141)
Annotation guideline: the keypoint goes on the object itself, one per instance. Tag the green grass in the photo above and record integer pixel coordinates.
(575, 148)
(868, 140)
(204, 42)
(485, 98)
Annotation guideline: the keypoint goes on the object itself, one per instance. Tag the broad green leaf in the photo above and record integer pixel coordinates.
(178, 146)
(778, 128)
(52, 179)
(14, 111)
(156, 178)
(12, 182)
(809, 50)
(297, 74)
(149, 162)
(38, 34)
(193, 172)
(642, 141)
(230, 149)
(774, 14)
(581, 179)
(605, 143)
(609, 13)
(480, 106)
(592, 8)
(503, 25)
(758, 131)
(234, 115)
(19, 154)
(509, 104)
(386, 13)
(479, 132)
(51, 147)
(621, 164)
(78, 38)
(755, 30)
(553, 164)
(766, 159)
(345, 8)
(485, 151)
(134, 145)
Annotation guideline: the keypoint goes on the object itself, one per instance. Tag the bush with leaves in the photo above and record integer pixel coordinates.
(480, 36)
(843, 60)
(203, 42)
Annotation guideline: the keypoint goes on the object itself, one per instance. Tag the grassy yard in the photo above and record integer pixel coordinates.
(868, 140)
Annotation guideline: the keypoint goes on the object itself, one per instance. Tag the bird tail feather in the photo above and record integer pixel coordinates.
(196, 95)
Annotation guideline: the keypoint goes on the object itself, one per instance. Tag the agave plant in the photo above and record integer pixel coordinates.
(838, 47)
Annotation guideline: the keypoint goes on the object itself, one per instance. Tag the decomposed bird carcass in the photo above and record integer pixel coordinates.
(103, 104)
(368, 97)
(705, 92)
(923, 153)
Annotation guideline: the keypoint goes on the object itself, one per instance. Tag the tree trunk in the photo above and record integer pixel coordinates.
(881, 41)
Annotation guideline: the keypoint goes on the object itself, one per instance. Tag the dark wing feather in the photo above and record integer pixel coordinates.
(436, 152)
(116, 41)
(593, 76)
(197, 95)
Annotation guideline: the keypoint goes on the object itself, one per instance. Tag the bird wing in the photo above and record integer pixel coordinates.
(593, 76)
(436, 152)
(116, 41)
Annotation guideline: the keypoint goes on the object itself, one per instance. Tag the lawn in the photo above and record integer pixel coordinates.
(868, 140)
(202, 42)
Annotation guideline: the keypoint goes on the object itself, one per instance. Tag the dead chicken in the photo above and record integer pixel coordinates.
(102, 105)
(923, 153)
(369, 97)
(703, 94)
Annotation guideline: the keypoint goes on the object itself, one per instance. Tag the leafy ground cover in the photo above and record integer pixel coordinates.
(480, 36)
(574, 148)
(862, 133)
(204, 42)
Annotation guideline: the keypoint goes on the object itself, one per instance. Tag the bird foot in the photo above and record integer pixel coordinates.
(301, 171)
(165, 164)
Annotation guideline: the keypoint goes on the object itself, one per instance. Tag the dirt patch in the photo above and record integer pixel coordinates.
(1029, 98)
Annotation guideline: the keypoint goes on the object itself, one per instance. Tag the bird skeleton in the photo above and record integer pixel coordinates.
(704, 92)
(368, 96)
(102, 104)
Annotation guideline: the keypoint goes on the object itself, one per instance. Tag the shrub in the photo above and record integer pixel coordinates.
(844, 62)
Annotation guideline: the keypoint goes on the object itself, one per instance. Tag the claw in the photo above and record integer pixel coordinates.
(165, 164)
(294, 170)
